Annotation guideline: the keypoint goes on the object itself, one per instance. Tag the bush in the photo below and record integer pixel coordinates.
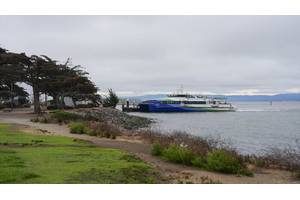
(199, 161)
(156, 150)
(222, 161)
(111, 100)
(103, 129)
(63, 116)
(177, 154)
(80, 128)
(76, 127)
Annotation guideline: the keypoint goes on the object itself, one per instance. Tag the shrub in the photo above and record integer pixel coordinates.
(156, 150)
(63, 116)
(177, 154)
(222, 161)
(198, 145)
(103, 129)
(76, 127)
(80, 128)
(111, 100)
(88, 131)
(287, 158)
(199, 161)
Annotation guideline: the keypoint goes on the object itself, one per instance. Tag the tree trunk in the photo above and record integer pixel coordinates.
(11, 97)
(36, 100)
(57, 102)
(63, 101)
(74, 102)
(46, 100)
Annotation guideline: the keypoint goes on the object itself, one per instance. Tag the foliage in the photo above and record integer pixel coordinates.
(80, 128)
(111, 100)
(45, 75)
(63, 116)
(177, 154)
(225, 162)
(63, 160)
(104, 129)
(156, 150)
(199, 161)
(205, 153)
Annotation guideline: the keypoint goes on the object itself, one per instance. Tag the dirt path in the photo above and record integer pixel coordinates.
(175, 173)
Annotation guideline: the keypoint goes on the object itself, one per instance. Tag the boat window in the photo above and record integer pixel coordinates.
(170, 102)
(194, 102)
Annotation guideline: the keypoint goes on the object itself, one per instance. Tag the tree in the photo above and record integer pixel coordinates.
(44, 75)
(66, 81)
(111, 100)
(11, 72)
(36, 75)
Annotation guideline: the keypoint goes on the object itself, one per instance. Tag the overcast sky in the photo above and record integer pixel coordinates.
(153, 54)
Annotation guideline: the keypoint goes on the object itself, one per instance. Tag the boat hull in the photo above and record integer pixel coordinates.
(157, 107)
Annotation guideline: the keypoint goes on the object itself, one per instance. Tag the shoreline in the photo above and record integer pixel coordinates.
(174, 172)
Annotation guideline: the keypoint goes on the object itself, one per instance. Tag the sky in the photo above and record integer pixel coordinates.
(137, 55)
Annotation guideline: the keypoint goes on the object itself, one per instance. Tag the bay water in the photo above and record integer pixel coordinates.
(253, 128)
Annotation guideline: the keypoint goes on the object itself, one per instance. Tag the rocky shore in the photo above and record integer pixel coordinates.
(115, 117)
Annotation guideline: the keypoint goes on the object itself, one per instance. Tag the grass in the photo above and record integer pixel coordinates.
(56, 159)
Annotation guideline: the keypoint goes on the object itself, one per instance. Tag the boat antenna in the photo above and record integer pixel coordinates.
(181, 89)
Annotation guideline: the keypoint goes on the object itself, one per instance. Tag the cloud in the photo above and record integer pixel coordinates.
(140, 54)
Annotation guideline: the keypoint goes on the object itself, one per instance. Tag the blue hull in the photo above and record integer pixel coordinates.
(158, 107)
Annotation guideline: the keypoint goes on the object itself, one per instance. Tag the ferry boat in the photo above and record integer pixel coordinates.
(186, 103)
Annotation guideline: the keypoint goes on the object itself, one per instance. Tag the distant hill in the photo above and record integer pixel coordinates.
(278, 97)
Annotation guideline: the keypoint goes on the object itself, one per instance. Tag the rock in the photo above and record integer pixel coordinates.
(115, 117)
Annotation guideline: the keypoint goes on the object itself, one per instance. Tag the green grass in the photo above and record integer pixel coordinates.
(58, 159)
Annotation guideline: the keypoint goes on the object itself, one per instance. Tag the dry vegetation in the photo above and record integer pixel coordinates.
(216, 154)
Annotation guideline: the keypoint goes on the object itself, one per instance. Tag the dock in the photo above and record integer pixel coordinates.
(130, 107)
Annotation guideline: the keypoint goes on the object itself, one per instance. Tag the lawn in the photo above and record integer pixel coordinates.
(28, 158)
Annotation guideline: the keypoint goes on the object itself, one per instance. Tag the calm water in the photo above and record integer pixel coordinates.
(253, 128)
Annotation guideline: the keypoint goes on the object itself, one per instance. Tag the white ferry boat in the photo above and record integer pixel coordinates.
(187, 103)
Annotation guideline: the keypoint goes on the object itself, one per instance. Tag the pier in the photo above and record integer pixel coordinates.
(130, 107)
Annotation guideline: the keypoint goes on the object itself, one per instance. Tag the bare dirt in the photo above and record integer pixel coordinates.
(173, 172)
